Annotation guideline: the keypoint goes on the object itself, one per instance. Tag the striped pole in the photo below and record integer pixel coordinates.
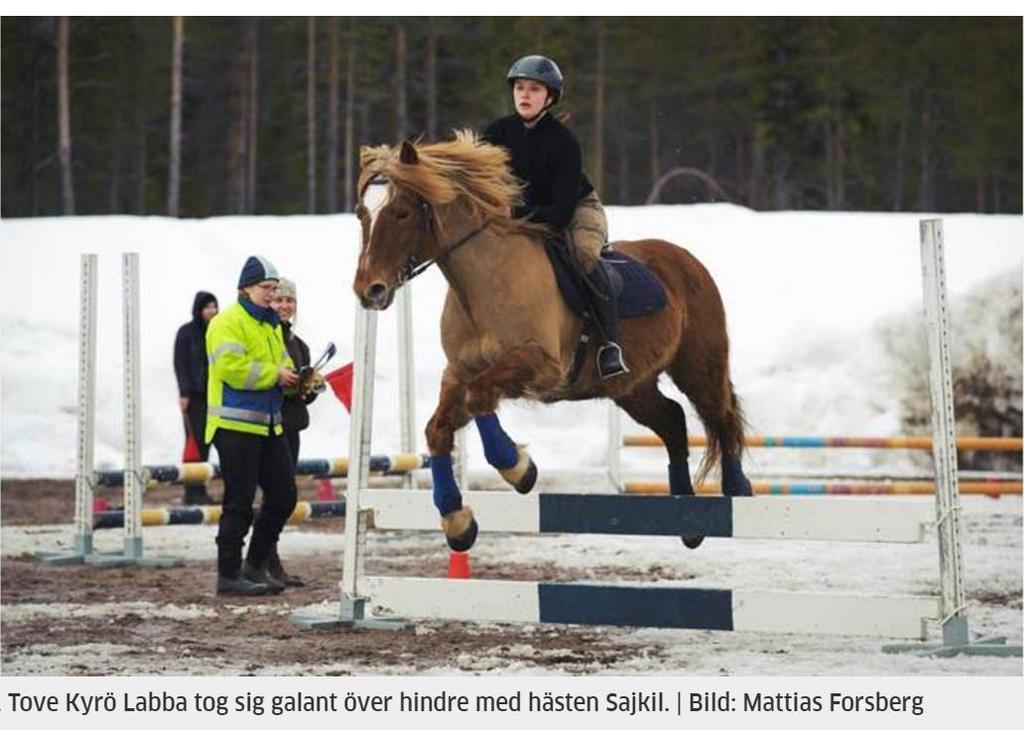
(210, 514)
(381, 464)
(963, 444)
(909, 487)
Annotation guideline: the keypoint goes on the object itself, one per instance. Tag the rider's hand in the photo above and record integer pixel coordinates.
(287, 377)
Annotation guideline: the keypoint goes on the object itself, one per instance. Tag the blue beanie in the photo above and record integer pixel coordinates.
(256, 269)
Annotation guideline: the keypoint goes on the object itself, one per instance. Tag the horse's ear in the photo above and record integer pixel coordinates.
(408, 154)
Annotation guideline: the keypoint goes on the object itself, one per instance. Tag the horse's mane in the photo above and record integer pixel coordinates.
(466, 168)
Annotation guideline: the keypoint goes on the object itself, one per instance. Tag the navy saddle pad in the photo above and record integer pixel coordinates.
(641, 293)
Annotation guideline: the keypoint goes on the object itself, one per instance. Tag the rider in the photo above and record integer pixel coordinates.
(546, 156)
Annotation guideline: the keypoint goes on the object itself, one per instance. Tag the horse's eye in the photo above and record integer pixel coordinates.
(401, 216)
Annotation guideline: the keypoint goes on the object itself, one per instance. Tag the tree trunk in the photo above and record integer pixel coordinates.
(333, 82)
(925, 180)
(431, 81)
(350, 118)
(840, 180)
(401, 112)
(254, 116)
(67, 186)
(598, 144)
(238, 81)
(311, 114)
(174, 155)
(899, 174)
(830, 165)
(655, 156)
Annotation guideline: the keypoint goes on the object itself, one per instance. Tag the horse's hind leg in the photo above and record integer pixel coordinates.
(457, 521)
(711, 392)
(651, 408)
(511, 375)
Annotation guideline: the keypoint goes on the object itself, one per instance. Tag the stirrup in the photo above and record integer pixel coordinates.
(610, 362)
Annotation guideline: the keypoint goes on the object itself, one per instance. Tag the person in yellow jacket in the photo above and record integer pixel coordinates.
(249, 369)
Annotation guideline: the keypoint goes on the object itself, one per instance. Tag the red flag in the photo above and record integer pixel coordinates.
(341, 383)
(191, 450)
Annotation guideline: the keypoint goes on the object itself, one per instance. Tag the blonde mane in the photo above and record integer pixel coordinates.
(466, 168)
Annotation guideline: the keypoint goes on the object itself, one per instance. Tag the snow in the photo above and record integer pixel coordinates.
(805, 294)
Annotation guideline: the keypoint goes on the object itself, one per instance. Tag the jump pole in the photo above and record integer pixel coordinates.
(132, 553)
(956, 638)
(406, 379)
(84, 459)
(353, 605)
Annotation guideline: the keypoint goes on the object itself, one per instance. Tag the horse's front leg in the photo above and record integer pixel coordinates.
(457, 521)
(527, 368)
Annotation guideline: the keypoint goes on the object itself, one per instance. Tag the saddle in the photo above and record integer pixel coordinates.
(637, 291)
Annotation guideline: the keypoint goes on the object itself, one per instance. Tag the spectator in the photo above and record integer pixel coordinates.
(249, 372)
(190, 368)
(294, 413)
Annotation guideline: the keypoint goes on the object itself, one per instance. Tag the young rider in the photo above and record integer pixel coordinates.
(546, 156)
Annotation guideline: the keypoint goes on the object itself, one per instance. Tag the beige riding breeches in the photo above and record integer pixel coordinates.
(589, 230)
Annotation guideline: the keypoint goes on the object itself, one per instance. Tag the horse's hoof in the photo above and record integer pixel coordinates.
(743, 490)
(692, 541)
(523, 474)
(460, 529)
(528, 480)
(465, 541)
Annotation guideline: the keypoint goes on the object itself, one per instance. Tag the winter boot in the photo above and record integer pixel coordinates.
(240, 586)
(258, 574)
(196, 494)
(276, 571)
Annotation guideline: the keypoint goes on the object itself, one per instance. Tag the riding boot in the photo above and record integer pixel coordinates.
(610, 362)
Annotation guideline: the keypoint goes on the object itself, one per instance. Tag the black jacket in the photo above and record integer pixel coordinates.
(294, 414)
(548, 159)
(190, 366)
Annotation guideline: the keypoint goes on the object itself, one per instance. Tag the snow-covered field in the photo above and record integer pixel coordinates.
(805, 293)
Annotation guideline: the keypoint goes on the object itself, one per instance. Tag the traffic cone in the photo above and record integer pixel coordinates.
(458, 565)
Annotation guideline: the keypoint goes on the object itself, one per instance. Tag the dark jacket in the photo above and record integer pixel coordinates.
(190, 366)
(548, 159)
(294, 414)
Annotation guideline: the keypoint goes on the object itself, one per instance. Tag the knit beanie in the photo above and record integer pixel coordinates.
(286, 288)
(256, 269)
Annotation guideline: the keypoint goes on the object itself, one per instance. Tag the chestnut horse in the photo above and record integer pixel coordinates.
(506, 331)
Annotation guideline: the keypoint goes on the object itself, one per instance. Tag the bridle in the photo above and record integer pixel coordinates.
(413, 267)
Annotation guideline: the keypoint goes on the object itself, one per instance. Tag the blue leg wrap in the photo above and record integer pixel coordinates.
(447, 497)
(734, 482)
(679, 479)
(499, 448)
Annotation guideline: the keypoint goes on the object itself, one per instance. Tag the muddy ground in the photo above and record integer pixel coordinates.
(230, 634)
(84, 620)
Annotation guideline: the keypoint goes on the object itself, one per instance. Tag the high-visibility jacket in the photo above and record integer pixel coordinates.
(246, 351)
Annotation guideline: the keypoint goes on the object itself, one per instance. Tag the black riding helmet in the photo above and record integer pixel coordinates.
(541, 69)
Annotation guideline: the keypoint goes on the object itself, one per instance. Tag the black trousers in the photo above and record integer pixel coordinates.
(248, 460)
(293, 445)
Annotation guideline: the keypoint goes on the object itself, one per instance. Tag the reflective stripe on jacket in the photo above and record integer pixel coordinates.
(245, 350)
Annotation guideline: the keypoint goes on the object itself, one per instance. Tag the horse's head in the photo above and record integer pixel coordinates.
(397, 228)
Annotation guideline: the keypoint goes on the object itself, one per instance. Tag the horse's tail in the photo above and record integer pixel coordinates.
(724, 425)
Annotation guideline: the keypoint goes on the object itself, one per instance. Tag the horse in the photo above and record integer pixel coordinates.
(507, 333)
